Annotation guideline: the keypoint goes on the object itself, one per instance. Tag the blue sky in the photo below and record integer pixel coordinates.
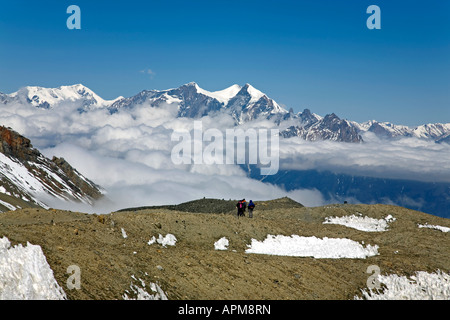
(304, 54)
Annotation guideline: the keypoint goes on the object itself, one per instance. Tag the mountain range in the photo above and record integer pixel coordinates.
(243, 103)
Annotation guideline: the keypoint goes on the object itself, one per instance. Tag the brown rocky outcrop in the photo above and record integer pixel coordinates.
(17, 146)
(57, 176)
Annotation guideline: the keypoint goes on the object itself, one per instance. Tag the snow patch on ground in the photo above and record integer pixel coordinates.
(426, 225)
(168, 240)
(141, 293)
(311, 247)
(421, 286)
(3, 190)
(221, 244)
(8, 205)
(25, 274)
(362, 223)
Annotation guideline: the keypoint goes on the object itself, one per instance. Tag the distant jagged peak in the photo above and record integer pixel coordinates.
(254, 93)
(225, 95)
(308, 117)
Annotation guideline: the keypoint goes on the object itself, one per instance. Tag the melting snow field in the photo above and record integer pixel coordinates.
(25, 274)
(362, 223)
(311, 247)
(422, 286)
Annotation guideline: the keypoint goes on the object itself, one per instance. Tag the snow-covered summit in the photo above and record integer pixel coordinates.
(222, 96)
(49, 97)
(243, 103)
(434, 131)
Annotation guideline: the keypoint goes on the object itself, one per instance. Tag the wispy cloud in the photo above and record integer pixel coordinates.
(149, 72)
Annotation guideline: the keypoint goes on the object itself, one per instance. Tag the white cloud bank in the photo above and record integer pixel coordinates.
(406, 158)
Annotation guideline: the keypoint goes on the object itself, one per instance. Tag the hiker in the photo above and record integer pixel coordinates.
(241, 208)
(251, 206)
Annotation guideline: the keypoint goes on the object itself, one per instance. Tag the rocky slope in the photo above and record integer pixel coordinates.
(27, 178)
(115, 257)
(331, 127)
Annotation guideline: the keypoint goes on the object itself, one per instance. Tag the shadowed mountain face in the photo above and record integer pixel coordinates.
(26, 174)
(331, 127)
(243, 103)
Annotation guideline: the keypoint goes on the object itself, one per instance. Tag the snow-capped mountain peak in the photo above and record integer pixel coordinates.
(222, 96)
(254, 93)
(434, 131)
(243, 103)
(49, 97)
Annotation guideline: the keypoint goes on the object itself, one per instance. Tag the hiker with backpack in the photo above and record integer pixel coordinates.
(251, 206)
(241, 208)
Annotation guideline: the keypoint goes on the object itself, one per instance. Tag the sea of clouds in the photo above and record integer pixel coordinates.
(128, 153)
(403, 158)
